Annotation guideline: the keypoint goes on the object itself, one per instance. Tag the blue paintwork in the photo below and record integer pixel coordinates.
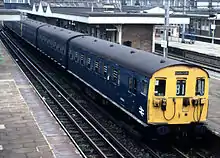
(14, 26)
(56, 49)
(132, 101)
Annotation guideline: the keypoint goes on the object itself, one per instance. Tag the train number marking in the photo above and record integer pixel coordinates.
(141, 111)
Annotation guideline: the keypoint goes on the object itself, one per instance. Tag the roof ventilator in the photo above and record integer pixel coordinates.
(111, 45)
(162, 61)
(132, 52)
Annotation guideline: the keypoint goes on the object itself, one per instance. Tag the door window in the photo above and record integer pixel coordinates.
(132, 84)
(144, 87)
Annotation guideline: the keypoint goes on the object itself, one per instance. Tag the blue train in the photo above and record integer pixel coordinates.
(150, 89)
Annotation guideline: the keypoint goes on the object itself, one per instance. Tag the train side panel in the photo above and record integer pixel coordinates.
(8, 25)
(17, 27)
(14, 26)
(29, 31)
(53, 41)
(178, 95)
(126, 89)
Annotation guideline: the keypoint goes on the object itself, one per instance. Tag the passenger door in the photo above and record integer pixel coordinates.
(132, 91)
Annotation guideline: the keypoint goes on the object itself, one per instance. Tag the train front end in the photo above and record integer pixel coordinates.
(178, 98)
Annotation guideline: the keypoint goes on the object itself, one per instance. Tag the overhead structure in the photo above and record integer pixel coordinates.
(103, 17)
(10, 15)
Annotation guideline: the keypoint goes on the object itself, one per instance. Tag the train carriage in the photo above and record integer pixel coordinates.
(29, 30)
(53, 41)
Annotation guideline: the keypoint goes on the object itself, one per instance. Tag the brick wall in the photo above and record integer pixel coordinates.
(139, 35)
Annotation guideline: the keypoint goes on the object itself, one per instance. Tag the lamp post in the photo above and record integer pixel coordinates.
(213, 26)
(184, 26)
(166, 23)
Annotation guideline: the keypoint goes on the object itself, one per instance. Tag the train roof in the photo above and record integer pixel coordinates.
(61, 33)
(33, 23)
(136, 60)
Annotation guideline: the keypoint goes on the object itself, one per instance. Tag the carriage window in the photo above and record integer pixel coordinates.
(144, 87)
(135, 85)
(64, 52)
(96, 66)
(76, 57)
(82, 60)
(89, 63)
(70, 56)
(130, 83)
(116, 76)
(200, 86)
(160, 88)
(105, 70)
(180, 87)
(119, 77)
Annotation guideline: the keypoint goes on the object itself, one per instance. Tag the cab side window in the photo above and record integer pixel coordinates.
(200, 86)
(160, 87)
(144, 87)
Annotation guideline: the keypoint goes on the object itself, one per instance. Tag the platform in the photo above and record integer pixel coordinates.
(198, 46)
(27, 129)
(214, 106)
(10, 15)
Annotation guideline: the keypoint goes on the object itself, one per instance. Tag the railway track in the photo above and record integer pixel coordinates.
(90, 140)
(66, 103)
(179, 58)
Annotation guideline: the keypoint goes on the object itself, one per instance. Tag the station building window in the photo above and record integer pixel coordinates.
(160, 87)
(200, 86)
